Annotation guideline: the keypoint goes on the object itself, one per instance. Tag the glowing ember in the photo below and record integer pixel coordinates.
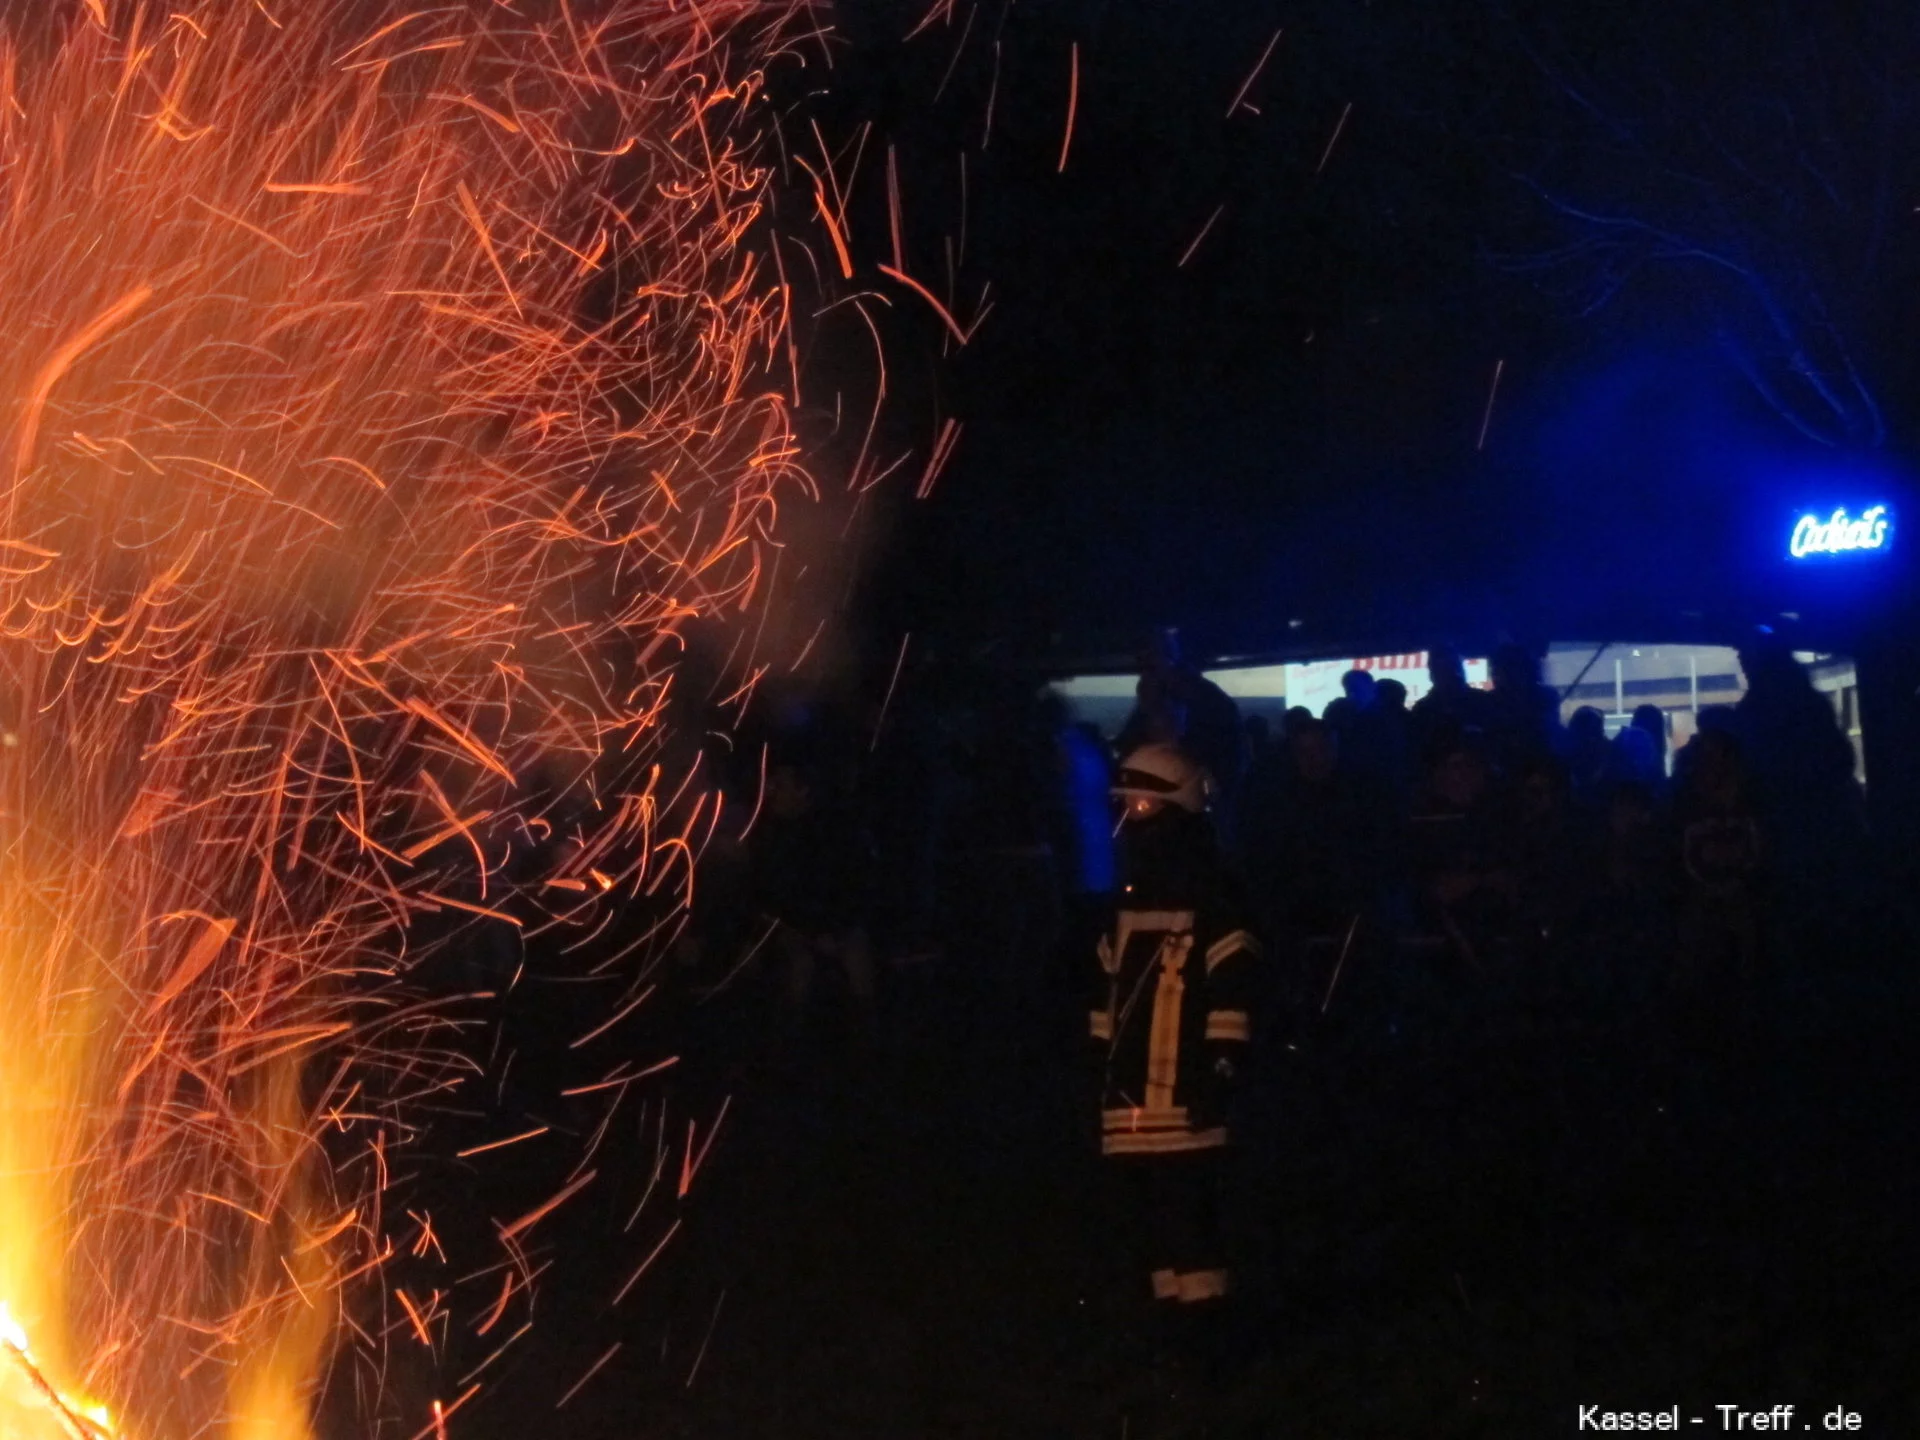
(383, 404)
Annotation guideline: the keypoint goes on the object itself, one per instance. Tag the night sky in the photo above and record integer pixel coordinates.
(1675, 267)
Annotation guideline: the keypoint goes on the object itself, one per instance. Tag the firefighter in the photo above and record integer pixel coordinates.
(1170, 1027)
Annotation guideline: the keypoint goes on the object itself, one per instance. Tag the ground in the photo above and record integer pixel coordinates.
(1468, 1230)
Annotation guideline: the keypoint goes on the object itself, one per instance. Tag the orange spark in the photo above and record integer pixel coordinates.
(57, 365)
(834, 232)
(690, 1163)
(592, 1370)
(1486, 418)
(502, 1144)
(880, 723)
(617, 1080)
(1334, 139)
(893, 211)
(352, 530)
(540, 1212)
(943, 444)
(946, 315)
(313, 187)
(993, 93)
(614, 1019)
(652, 1255)
(415, 1318)
(1194, 244)
(492, 1317)
(437, 1425)
(479, 224)
(1253, 75)
(1073, 104)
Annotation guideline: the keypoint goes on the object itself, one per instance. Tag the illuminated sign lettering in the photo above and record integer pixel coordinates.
(1840, 533)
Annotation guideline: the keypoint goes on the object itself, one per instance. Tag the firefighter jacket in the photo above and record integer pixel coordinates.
(1171, 1019)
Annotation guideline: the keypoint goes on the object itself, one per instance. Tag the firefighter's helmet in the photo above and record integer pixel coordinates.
(1158, 775)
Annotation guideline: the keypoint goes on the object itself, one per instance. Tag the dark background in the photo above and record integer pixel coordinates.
(1682, 233)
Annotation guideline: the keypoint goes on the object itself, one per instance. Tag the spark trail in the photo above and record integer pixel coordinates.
(388, 389)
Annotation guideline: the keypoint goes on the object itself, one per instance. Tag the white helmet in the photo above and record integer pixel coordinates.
(1156, 775)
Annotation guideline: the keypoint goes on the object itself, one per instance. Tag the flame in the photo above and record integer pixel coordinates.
(30, 1405)
(383, 403)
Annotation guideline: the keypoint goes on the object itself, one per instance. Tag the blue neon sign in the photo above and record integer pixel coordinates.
(1841, 533)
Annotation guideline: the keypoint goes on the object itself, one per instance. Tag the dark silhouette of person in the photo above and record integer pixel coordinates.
(1715, 717)
(1632, 759)
(1524, 714)
(808, 861)
(1720, 832)
(1159, 714)
(1639, 881)
(1259, 742)
(1392, 740)
(1623, 947)
(1310, 839)
(1456, 852)
(1550, 852)
(1724, 860)
(1586, 751)
(1371, 739)
(1176, 705)
(1451, 707)
(1653, 720)
(1090, 866)
(1801, 767)
(1637, 864)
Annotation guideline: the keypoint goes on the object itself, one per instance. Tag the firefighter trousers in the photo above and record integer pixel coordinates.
(1172, 1205)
